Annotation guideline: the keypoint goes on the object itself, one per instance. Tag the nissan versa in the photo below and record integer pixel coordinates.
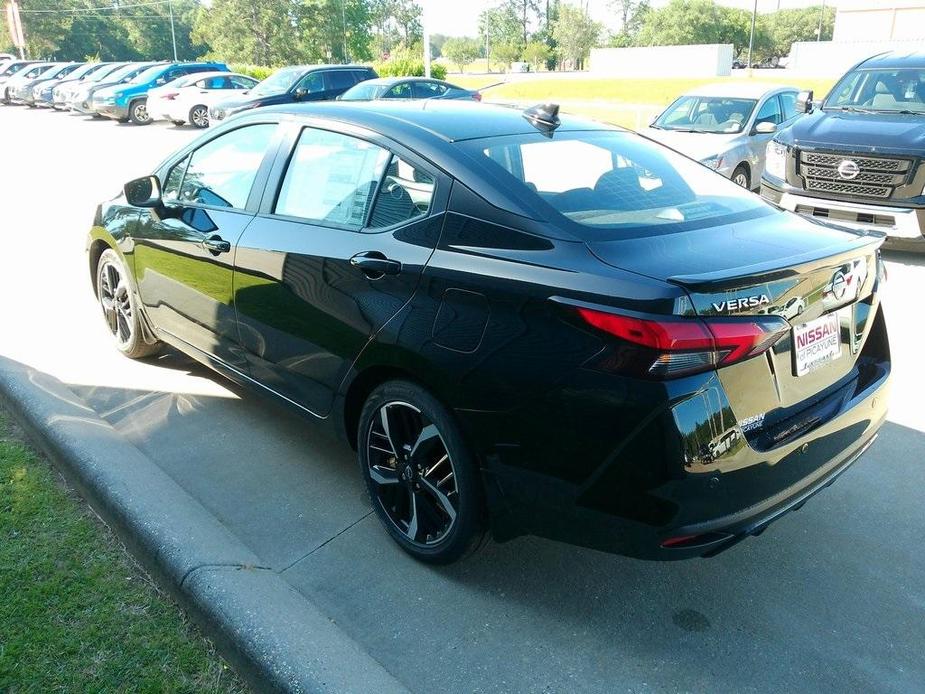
(522, 323)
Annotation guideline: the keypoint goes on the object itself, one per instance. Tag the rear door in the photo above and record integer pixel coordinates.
(183, 253)
(346, 226)
(336, 82)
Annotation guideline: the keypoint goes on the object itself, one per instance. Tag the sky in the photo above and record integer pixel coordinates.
(460, 17)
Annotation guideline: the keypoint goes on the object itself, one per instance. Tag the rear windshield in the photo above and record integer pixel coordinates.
(880, 91)
(365, 91)
(615, 184)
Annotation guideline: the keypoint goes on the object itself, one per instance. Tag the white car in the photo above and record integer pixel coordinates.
(187, 99)
(727, 126)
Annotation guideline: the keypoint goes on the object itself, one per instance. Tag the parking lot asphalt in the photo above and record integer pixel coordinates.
(830, 598)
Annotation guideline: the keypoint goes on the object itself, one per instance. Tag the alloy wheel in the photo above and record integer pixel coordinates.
(199, 117)
(741, 179)
(116, 303)
(413, 473)
(140, 111)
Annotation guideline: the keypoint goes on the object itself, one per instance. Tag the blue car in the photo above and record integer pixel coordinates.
(129, 102)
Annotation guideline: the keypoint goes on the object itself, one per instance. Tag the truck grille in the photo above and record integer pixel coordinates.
(878, 176)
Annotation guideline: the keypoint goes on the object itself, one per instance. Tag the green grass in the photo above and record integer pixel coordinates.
(76, 614)
(656, 92)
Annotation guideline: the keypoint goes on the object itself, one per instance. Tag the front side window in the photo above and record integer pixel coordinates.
(311, 83)
(614, 184)
(707, 114)
(788, 101)
(222, 171)
(171, 188)
(399, 91)
(893, 90)
(242, 82)
(331, 179)
(769, 112)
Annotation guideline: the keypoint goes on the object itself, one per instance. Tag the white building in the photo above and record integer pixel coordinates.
(880, 20)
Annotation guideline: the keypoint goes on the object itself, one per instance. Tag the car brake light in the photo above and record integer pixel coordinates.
(170, 96)
(476, 96)
(674, 346)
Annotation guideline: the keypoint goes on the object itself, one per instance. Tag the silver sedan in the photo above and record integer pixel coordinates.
(726, 126)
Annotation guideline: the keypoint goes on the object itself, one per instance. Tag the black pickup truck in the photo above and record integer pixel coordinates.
(858, 158)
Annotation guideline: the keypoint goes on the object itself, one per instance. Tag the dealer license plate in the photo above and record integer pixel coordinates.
(816, 343)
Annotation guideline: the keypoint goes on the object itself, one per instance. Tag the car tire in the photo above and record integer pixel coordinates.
(421, 476)
(120, 310)
(199, 116)
(741, 177)
(138, 112)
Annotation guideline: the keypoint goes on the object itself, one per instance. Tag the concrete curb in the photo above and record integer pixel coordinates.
(274, 637)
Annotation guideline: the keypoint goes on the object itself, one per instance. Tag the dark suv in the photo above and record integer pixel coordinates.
(858, 158)
(296, 83)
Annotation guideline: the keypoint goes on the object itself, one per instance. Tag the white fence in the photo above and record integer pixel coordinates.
(823, 58)
(706, 60)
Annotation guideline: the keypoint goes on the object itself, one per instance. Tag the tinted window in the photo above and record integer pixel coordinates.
(222, 171)
(171, 188)
(332, 178)
(399, 91)
(427, 90)
(362, 76)
(339, 79)
(312, 82)
(214, 83)
(241, 82)
(616, 183)
(770, 112)
(406, 192)
(789, 102)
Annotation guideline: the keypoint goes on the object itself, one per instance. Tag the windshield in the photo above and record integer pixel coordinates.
(83, 70)
(147, 75)
(279, 82)
(880, 91)
(364, 92)
(706, 114)
(115, 74)
(615, 184)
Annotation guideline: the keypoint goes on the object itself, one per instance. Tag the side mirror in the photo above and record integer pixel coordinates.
(143, 192)
(300, 93)
(805, 101)
(765, 128)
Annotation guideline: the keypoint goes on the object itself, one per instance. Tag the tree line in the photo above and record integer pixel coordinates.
(543, 33)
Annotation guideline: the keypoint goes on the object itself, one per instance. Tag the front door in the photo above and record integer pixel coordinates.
(332, 257)
(184, 252)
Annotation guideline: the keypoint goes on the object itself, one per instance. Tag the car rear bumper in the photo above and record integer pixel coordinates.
(905, 224)
(645, 498)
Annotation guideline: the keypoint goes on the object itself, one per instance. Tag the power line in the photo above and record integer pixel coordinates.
(114, 8)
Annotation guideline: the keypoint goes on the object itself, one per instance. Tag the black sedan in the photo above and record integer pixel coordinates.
(407, 88)
(521, 323)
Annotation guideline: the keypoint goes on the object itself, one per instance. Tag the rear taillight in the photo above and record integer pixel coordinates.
(170, 96)
(476, 96)
(674, 346)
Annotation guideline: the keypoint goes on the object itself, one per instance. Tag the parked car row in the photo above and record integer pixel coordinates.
(198, 92)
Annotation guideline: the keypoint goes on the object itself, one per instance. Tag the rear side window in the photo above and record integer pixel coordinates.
(331, 179)
(339, 79)
(222, 171)
(361, 76)
(613, 183)
(406, 193)
(427, 90)
(399, 91)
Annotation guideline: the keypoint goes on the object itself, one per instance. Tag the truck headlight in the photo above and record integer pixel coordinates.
(775, 160)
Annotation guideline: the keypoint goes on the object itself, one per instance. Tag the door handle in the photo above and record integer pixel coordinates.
(374, 264)
(216, 245)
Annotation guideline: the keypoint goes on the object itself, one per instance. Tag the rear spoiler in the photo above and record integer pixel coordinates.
(867, 243)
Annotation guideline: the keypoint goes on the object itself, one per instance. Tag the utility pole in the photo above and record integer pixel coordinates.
(173, 33)
(819, 30)
(751, 36)
(343, 19)
(425, 26)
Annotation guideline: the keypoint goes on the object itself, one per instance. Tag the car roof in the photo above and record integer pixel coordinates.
(426, 119)
(739, 88)
(895, 59)
(387, 81)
